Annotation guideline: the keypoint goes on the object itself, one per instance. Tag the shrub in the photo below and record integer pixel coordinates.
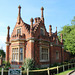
(22, 68)
(72, 61)
(28, 63)
(55, 64)
(7, 65)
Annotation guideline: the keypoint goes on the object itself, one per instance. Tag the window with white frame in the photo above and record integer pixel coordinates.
(14, 54)
(44, 54)
(42, 31)
(57, 55)
(19, 31)
(21, 54)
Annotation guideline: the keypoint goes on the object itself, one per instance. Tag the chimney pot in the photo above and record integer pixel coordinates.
(42, 8)
(31, 20)
(35, 20)
(38, 18)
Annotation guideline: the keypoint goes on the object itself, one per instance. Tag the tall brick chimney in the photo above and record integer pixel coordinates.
(42, 16)
(31, 40)
(8, 35)
(19, 15)
(7, 44)
(31, 26)
(61, 38)
(50, 30)
(56, 31)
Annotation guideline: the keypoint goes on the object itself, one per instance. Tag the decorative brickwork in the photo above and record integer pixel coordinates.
(34, 41)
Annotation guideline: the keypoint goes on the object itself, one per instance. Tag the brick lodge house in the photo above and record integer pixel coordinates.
(33, 41)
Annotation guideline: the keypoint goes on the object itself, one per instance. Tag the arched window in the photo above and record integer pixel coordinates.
(42, 31)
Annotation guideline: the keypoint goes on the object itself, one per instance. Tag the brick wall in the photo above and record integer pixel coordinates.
(66, 56)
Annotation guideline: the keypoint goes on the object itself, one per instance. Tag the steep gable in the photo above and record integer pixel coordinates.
(25, 28)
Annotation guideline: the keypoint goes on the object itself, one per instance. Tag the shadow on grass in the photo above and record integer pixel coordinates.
(65, 72)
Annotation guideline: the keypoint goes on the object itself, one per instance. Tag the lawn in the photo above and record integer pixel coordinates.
(0, 68)
(65, 72)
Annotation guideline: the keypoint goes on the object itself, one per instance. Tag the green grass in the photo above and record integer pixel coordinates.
(65, 72)
(0, 68)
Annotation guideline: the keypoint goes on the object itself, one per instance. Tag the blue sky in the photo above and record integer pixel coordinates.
(56, 13)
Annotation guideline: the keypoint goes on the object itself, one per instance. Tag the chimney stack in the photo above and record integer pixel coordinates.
(31, 20)
(61, 38)
(50, 30)
(42, 16)
(19, 15)
(56, 30)
(8, 35)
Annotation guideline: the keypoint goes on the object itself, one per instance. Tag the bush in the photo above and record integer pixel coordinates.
(28, 63)
(22, 68)
(7, 65)
(65, 63)
(72, 61)
(4, 62)
(55, 64)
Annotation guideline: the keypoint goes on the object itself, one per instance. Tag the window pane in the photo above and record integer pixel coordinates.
(13, 49)
(21, 50)
(17, 49)
(44, 54)
(57, 55)
(12, 56)
(15, 56)
(19, 31)
(21, 56)
(42, 31)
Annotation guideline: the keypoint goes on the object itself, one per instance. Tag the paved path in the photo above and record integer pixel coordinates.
(73, 73)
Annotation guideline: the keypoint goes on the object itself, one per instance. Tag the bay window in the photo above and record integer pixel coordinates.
(21, 54)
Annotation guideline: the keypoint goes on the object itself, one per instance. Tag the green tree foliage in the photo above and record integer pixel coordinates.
(2, 53)
(68, 32)
(28, 64)
(7, 65)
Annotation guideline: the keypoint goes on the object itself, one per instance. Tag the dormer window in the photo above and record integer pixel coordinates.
(19, 31)
(42, 31)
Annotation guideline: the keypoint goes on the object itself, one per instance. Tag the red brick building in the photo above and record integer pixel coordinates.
(33, 41)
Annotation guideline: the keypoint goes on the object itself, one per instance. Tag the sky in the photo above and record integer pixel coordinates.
(56, 13)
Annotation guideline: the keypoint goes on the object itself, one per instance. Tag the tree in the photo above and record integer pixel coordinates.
(28, 63)
(2, 53)
(68, 32)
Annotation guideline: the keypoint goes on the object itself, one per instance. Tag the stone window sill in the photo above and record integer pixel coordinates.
(44, 60)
